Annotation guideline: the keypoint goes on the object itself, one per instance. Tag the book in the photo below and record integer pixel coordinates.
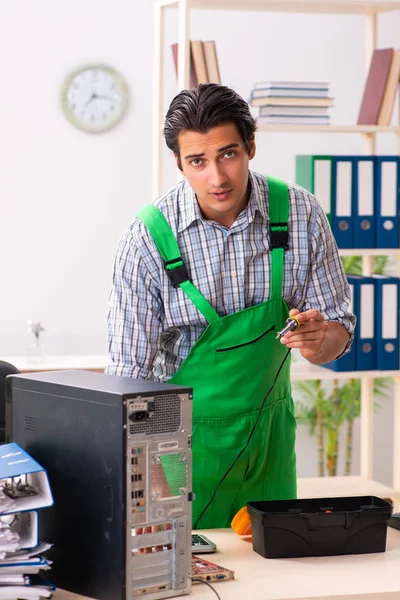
(294, 120)
(386, 111)
(210, 53)
(287, 92)
(192, 75)
(23, 486)
(270, 101)
(387, 306)
(375, 86)
(314, 173)
(199, 61)
(291, 84)
(387, 201)
(23, 481)
(306, 111)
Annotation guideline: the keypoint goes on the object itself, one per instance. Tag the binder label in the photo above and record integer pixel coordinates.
(343, 192)
(389, 317)
(322, 183)
(367, 311)
(365, 188)
(388, 190)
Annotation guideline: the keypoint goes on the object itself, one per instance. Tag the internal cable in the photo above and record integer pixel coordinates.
(247, 443)
(209, 585)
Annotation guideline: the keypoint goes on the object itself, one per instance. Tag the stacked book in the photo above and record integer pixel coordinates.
(292, 102)
(24, 488)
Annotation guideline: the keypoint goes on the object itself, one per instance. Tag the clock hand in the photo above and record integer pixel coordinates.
(104, 97)
(92, 97)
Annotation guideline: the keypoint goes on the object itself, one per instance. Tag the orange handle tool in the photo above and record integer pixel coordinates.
(241, 522)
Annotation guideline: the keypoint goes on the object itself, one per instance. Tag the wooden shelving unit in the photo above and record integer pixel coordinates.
(370, 11)
(361, 129)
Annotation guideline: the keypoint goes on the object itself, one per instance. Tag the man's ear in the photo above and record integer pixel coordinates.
(252, 151)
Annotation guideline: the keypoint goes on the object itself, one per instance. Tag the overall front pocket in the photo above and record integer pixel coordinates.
(252, 341)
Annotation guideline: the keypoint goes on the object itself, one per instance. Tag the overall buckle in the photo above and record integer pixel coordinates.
(278, 236)
(177, 274)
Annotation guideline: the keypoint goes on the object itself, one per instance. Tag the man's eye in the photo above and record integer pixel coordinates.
(230, 153)
(196, 162)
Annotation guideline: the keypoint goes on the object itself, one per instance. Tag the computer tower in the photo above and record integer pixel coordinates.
(118, 456)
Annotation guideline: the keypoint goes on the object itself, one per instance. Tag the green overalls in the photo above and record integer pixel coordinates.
(231, 367)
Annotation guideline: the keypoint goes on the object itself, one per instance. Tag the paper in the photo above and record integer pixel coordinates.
(23, 487)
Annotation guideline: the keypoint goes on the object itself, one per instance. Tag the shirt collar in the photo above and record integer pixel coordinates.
(190, 210)
(259, 194)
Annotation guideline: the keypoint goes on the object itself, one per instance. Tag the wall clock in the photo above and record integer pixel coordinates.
(94, 97)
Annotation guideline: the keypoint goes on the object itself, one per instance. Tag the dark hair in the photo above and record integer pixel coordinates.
(205, 106)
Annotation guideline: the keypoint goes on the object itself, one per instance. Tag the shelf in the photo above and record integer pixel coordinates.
(369, 251)
(360, 129)
(58, 363)
(345, 7)
(304, 371)
(330, 487)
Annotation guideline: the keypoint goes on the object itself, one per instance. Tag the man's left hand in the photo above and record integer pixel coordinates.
(310, 336)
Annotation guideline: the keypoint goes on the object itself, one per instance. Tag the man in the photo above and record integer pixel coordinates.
(203, 280)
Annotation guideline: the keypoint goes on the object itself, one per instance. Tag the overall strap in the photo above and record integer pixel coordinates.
(278, 231)
(167, 246)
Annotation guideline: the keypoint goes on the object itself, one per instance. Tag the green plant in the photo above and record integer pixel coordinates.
(325, 413)
(353, 264)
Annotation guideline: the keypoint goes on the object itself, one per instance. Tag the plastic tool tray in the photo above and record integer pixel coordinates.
(319, 526)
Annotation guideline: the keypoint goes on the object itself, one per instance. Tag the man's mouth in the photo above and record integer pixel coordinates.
(221, 195)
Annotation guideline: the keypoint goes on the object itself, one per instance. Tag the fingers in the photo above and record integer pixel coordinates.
(311, 332)
(310, 315)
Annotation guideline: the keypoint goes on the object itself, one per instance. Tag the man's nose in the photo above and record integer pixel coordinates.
(217, 177)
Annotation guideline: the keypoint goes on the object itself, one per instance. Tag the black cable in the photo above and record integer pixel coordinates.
(209, 585)
(247, 443)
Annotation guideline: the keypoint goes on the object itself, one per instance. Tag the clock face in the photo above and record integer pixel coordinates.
(94, 98)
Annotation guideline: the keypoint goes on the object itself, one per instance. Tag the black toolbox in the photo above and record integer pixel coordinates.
(319, 526)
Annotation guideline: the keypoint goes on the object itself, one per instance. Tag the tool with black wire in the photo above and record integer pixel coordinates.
(209, 585)
(248, 440)
(292, 323)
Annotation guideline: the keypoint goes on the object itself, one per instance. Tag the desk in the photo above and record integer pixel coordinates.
(352, 577)
(59, 363)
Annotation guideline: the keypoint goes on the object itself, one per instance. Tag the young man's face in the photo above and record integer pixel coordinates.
(216, 165)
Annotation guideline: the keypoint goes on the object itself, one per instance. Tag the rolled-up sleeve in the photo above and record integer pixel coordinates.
(135, 310)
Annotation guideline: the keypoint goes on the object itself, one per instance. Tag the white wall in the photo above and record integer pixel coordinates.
(66, 196)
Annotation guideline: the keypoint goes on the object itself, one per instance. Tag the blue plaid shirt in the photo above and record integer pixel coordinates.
(152, 326)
